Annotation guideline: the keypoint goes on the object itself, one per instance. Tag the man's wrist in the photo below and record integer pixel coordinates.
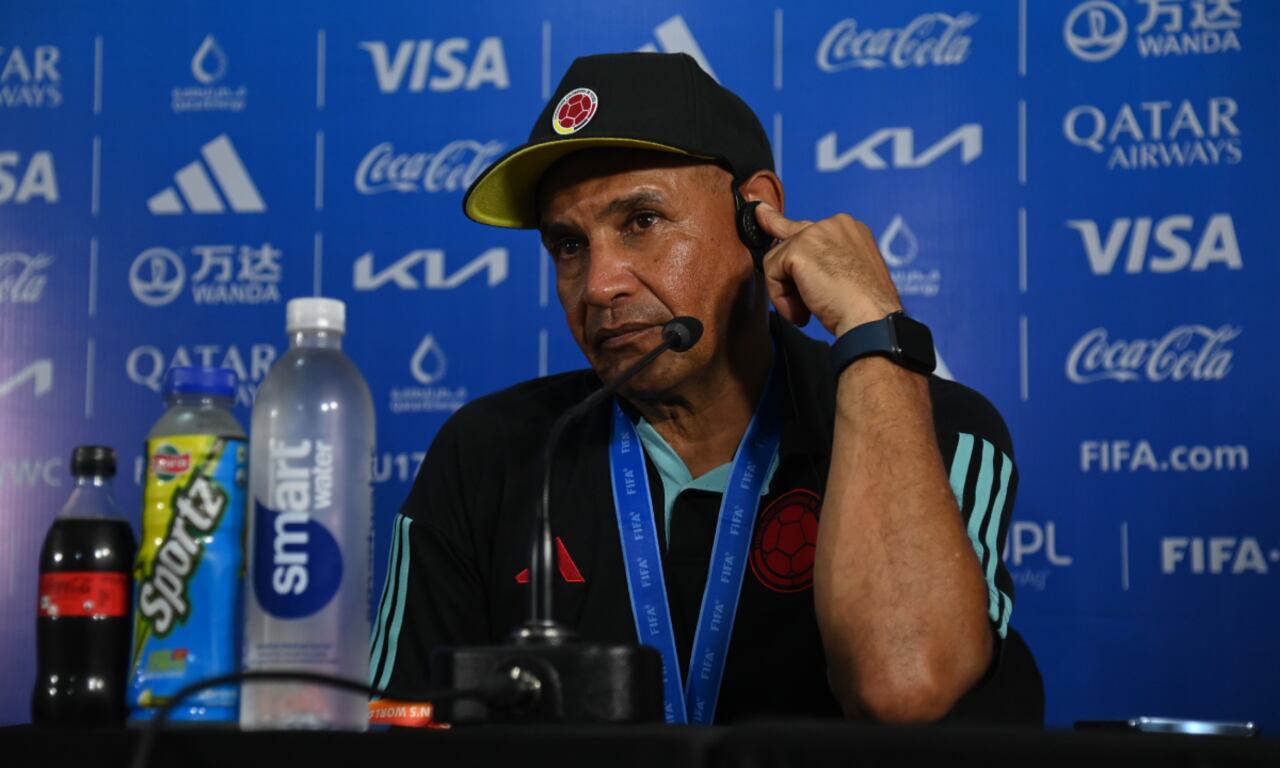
(856, 317)
(904, 341)
(877, 367)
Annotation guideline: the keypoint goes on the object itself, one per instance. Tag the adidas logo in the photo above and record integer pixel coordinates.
(200, 192)
(674, 37)
(568, 569)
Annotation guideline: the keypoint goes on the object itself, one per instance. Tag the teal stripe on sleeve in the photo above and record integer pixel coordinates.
(1005, 613)
(402, 594)
(380, 628)
(993, 531)
(999, 606)
(982, 498)
(960, 466)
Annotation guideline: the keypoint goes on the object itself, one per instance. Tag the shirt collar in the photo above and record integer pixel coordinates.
(808, 390)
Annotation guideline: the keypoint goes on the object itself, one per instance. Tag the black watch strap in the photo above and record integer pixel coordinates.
(903, 340)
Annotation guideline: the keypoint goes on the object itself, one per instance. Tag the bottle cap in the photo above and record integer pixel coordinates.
(89, 460)
(201, 380)
(316, 314)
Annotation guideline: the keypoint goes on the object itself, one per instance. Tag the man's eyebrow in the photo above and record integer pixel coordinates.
(551, 230)
(638, 199)
(625, 204)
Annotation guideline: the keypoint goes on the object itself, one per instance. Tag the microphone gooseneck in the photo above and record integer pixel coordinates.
(679, 335)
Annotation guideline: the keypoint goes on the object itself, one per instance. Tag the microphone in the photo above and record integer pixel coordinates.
(543, 674)
(687, 331)
(678, 335)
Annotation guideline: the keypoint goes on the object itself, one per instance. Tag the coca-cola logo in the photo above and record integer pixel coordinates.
(21, 277)
(451, 169)
(931, 39)
(1195, 352)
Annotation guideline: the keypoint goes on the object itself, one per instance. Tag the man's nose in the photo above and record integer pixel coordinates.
(610, 273)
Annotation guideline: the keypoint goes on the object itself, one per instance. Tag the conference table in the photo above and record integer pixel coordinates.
(749, 745)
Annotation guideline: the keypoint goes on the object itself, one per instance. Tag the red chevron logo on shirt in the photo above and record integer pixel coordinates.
(568, 569)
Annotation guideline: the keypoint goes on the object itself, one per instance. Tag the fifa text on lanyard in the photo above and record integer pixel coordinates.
(696, 703)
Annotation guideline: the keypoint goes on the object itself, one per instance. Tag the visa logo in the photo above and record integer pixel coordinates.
(445, 65)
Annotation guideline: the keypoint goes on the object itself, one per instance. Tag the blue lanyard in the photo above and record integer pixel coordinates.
(695, 701)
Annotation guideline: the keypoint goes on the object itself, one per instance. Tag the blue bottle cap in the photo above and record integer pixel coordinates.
(200, 379)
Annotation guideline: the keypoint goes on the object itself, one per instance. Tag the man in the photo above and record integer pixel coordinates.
(895, 608)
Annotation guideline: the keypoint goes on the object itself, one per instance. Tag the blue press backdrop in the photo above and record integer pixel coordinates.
(1077, 196)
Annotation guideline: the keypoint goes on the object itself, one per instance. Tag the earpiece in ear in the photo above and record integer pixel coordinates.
(758, 241)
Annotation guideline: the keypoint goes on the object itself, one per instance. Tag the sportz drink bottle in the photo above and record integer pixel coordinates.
(190, 567)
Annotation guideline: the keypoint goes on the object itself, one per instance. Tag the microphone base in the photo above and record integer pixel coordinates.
(534, 680)
(535, 632)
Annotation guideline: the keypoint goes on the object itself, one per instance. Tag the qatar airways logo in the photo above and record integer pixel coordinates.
(146, 364)
(30, 79)
(1195, 352)
(929, 40)
(1158, 133)
(452, 168)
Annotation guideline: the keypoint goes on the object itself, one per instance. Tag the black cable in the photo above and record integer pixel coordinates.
(146, 742)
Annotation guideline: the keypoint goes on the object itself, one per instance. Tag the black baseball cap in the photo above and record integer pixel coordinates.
(658, 101)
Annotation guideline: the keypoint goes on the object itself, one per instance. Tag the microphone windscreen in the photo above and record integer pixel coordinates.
(684, 330)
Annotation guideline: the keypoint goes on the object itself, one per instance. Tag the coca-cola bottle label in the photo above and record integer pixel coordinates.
(96, 594)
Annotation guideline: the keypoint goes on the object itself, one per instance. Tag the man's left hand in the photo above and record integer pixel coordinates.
(831, 268)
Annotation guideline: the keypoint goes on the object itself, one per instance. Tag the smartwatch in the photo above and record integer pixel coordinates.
(905, 341)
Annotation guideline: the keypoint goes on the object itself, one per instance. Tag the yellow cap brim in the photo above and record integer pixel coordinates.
(505, 194)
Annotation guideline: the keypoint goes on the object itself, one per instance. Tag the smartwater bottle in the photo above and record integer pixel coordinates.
(310, 475)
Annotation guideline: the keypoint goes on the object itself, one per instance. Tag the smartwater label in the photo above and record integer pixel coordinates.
(297, 562)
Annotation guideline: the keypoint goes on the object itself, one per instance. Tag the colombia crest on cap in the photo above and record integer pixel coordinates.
(574, 111)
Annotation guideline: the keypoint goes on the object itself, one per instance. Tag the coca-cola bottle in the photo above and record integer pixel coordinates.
(83, 624)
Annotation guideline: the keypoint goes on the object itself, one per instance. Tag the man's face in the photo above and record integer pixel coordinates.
(638, 238)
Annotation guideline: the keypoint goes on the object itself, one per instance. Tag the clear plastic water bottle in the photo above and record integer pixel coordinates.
(310, 458)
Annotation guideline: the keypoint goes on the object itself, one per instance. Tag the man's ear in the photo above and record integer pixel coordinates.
(764, 186)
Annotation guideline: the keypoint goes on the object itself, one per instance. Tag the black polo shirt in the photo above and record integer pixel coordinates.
(457, 573)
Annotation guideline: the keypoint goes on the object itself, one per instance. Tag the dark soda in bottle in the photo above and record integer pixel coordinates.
(84, 619)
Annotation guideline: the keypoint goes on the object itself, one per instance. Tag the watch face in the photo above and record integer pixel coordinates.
(915, 342)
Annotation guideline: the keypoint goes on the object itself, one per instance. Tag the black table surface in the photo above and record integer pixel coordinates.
(749, 745)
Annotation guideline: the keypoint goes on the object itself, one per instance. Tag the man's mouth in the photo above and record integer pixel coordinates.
(621, 335)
